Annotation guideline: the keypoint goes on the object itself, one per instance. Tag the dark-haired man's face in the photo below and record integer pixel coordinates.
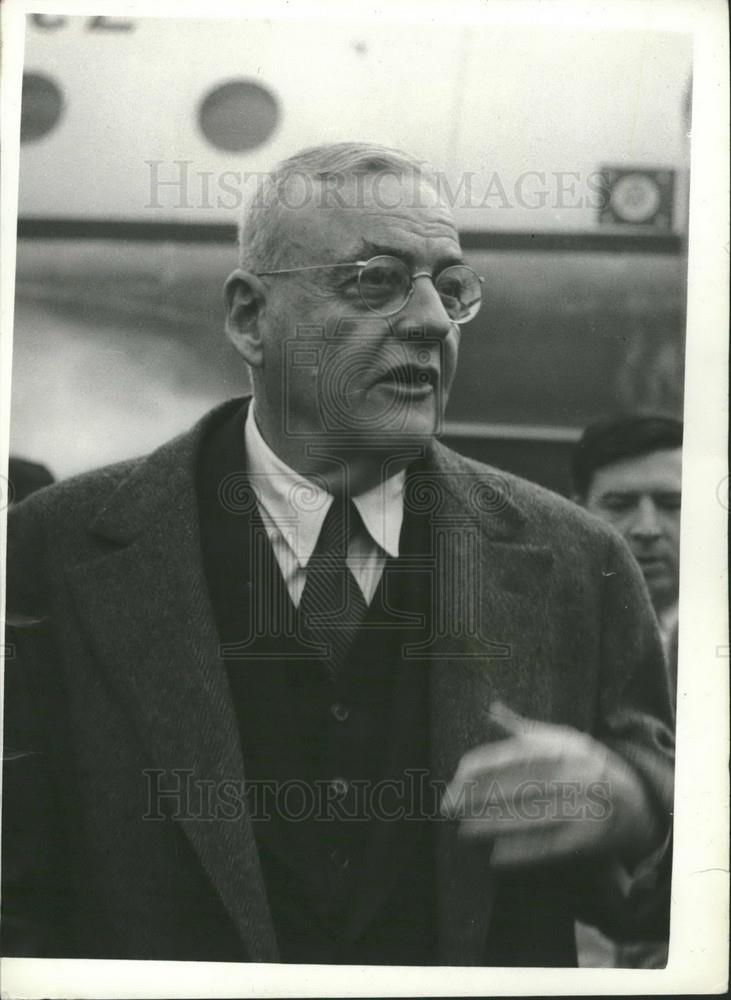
(640, 498)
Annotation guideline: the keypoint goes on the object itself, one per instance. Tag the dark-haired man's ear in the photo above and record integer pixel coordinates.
(245, 297)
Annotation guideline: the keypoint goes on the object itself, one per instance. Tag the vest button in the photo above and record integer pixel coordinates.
(339, 859)
(339, 786)
(339, 711)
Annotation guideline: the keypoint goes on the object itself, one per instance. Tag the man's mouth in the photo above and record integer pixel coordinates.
(651, 564)
(411, 378)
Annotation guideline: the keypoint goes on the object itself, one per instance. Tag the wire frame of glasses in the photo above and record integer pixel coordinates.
(385, 285)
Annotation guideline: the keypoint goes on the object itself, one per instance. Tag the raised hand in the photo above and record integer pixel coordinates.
(547, 793)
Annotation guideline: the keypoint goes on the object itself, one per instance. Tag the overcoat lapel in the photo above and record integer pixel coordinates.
(491, 625)
(146, 608)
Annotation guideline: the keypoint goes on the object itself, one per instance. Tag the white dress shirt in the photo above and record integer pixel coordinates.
(293, 509)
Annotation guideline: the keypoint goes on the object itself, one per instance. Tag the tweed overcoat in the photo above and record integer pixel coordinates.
(113, 672)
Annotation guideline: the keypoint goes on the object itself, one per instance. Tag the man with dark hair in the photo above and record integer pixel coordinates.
(615, 438)
(627, 471)
(304, 685)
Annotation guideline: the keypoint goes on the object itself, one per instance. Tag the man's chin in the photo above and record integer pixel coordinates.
(383, 419)
(418, 427)
(403, 418)
(662, 589)
(655, 571)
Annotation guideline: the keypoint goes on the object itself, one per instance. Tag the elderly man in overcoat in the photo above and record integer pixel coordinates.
(305, 685)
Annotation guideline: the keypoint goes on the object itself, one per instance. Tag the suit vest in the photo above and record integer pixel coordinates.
(336, 769)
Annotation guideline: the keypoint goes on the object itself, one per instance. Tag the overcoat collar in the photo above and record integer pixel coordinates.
(146, 606)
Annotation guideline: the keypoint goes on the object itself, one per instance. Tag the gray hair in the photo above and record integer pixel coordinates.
(261, 246)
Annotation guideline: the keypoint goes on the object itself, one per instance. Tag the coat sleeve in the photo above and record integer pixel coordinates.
(635, 720)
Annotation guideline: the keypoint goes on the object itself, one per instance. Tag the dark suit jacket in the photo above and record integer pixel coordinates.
(114, 671)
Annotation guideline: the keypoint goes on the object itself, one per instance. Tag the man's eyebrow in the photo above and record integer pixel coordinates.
(361, 251)
(366, 249)
(620, 495)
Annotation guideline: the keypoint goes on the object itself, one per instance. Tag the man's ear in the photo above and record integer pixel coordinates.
(245, 298)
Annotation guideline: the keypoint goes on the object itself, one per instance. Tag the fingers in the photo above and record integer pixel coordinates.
(546, 839)
(508, 722)
(547, 756)
(499, 785)
(535, 793)
(551, 844)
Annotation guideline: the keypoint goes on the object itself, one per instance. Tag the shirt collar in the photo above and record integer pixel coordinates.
(668, 619)
(297, 506)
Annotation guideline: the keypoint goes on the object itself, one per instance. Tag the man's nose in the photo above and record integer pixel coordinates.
(646, 524)
(424, 311)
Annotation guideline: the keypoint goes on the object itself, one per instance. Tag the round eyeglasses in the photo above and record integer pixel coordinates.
(385, 285)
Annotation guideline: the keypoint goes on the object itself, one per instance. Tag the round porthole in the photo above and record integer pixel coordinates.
(238, 115)
(41, 106)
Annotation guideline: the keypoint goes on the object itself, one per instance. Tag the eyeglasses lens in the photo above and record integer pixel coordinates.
(460, 291)
(385, 282)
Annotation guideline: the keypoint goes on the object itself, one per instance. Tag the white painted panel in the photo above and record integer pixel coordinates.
(531, 111)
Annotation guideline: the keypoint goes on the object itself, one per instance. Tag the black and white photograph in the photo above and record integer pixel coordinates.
(364, 475)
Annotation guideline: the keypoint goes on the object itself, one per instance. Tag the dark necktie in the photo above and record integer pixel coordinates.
(332, 606)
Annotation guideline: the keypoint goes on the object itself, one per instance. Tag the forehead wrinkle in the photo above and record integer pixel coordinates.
(394, 216)
(337, 234)
(408, 242)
